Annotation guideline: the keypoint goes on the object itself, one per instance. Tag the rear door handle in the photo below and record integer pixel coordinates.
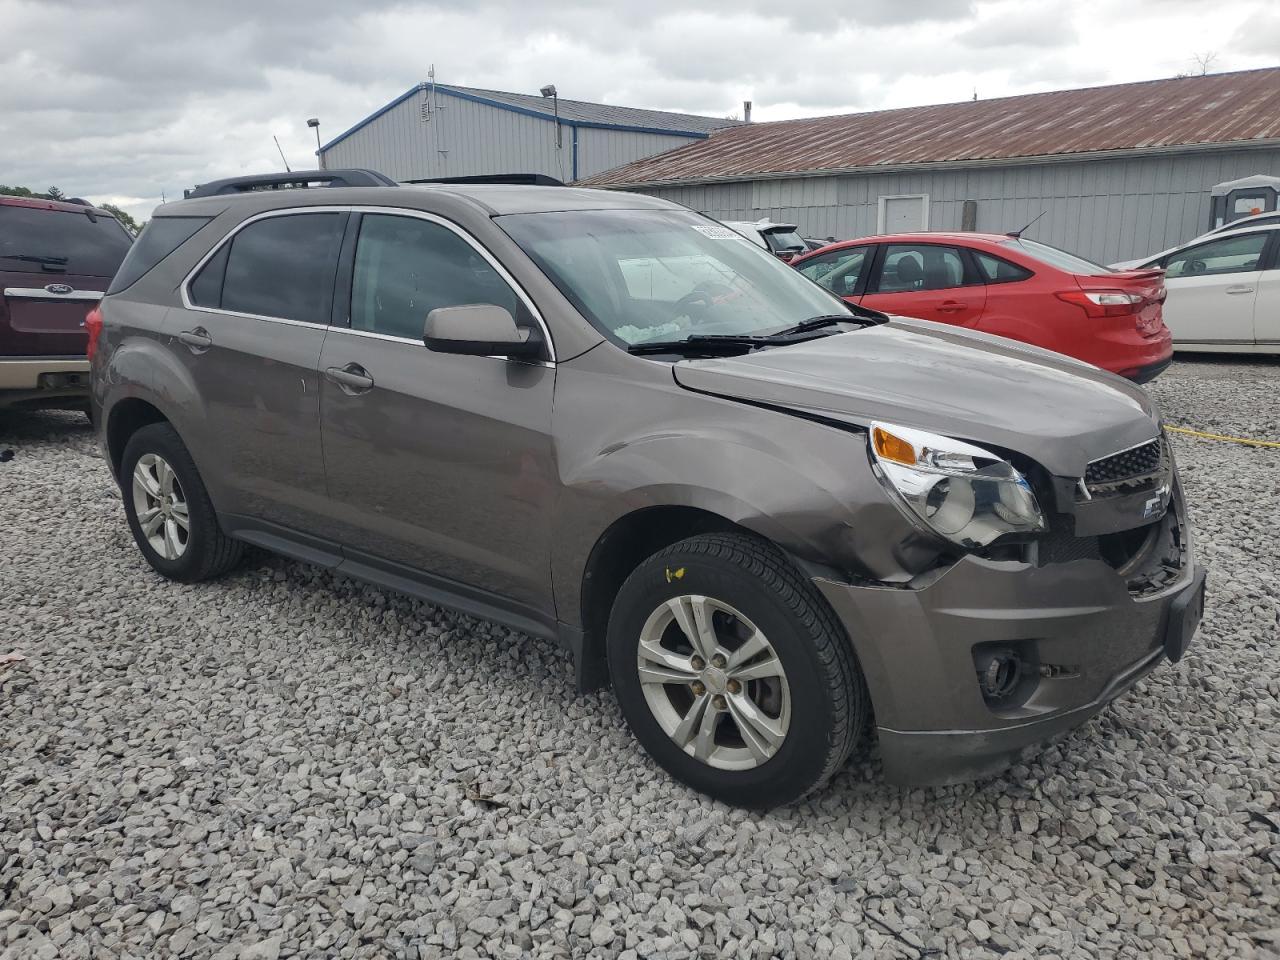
(198, 339)
(951, 306)
(352, 378)
(1240, 289)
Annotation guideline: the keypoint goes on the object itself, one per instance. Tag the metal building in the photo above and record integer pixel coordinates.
(1119, 171)
(440, 130)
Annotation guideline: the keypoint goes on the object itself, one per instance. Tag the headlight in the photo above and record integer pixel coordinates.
(962, 492)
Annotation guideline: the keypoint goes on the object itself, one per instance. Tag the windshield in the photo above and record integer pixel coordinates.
(1058, 258)
(658, 275)
(69, 242)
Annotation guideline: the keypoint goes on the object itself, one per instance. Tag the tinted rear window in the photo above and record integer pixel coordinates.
(159, 238)
(71, 241)
(278, 267)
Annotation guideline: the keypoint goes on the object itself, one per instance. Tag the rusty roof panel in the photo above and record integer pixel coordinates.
(1219, 108)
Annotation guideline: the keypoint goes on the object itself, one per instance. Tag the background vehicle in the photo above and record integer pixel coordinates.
(1271, 219)
(1008, 286)
(780, 239)
(588, 415)
(56, 259)
(814, 243)
(1224, 289)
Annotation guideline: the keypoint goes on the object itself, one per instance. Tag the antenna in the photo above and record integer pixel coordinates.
(287, 168)
(1017, 234)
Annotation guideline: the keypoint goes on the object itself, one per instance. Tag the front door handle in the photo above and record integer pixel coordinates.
(1240, 289)
(352, 378)
(951, 306)
(198, 339)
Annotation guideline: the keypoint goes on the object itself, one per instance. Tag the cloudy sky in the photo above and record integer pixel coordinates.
(127, 100)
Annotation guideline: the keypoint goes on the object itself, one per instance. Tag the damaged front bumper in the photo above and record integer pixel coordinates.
(989, 657)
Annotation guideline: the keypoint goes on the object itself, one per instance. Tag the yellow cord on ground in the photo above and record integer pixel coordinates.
(1218, 436)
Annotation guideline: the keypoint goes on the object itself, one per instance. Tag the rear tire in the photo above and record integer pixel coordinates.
(800, 706)
(169, 510)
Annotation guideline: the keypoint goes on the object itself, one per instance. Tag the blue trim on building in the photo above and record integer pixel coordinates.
(512, 108)
(373, 116)
(573, 130)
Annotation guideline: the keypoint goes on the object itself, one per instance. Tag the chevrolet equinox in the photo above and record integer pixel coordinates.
(762, 515)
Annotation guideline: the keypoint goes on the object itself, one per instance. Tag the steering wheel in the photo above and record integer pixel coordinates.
(700, 297)
(1196, 266)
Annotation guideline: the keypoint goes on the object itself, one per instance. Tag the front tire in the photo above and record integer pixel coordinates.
(732, 671)
(169, 510)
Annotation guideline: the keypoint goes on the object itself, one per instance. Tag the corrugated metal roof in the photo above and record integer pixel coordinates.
(1219, 108)
(601, 113)
(571, 111)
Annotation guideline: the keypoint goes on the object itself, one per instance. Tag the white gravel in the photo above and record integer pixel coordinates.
(285, 763)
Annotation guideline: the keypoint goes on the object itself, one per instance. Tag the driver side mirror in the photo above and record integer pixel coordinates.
(480, 330)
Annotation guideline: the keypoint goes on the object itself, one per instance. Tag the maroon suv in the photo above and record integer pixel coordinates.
(56, 259)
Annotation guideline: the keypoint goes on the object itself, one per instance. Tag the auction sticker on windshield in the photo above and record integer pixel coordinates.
(715, 232)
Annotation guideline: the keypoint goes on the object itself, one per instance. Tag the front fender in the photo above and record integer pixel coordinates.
(806, 486)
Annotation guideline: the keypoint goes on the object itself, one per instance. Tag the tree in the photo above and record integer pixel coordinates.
(129, 223)
(53, 193)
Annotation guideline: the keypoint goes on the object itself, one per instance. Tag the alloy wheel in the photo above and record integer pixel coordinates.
(161, 506)
(714, 682)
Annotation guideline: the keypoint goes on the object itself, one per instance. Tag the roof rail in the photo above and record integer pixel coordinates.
(296, 179)
(522, 179)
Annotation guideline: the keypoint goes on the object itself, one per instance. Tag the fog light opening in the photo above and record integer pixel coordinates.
(1001, 677)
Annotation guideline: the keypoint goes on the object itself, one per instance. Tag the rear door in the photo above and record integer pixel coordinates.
(249, 334)
(54, 265)
(932, 281)
(1212, 289)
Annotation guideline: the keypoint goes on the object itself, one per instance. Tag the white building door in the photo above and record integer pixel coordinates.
(903, 214)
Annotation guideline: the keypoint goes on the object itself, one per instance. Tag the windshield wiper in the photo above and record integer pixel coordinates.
(49, 263)
(702, 343)
(864, 318)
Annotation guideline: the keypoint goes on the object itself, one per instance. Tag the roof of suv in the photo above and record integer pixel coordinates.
(495, 199)
(61, 206)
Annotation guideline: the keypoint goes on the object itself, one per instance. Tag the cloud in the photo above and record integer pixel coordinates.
(127, 101)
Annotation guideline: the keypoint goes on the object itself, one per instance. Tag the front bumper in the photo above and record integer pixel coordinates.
(1092, 639)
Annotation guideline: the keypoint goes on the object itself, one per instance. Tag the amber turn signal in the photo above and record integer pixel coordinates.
(889, 447)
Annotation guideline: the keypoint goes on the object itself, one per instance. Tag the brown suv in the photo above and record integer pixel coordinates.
(608, 420)
(56, 259)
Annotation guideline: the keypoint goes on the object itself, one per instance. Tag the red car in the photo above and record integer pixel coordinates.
(1009, 286)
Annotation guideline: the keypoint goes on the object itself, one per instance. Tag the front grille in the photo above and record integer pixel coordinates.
(1139, 461)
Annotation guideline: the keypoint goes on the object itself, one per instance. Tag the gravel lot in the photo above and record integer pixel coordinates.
(286, 763)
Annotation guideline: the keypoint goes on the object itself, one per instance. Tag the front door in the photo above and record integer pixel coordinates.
(256, 313)
(1212, 289)
(436, 462)
(931, 281)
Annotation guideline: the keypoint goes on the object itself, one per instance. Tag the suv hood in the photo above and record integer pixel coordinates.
(968, 385)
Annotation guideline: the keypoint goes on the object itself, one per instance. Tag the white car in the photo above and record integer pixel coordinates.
(780, 239)
(1224, 291)
(1256, 220)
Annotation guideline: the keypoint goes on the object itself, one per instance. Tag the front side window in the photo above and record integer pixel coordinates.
(406, 267)
(657, 275)
(1239, 254)
(840, 271)
(281, 267)
(920, 266)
